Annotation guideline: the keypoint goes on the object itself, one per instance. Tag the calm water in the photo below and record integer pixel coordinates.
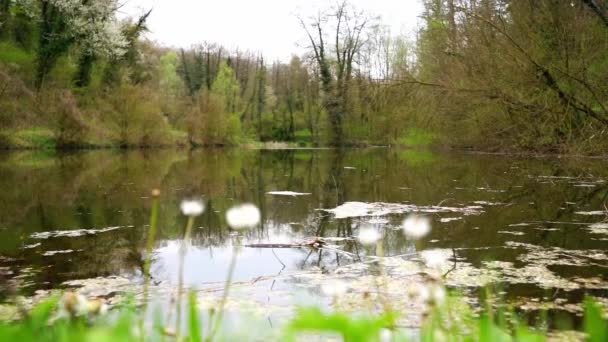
(523, 205)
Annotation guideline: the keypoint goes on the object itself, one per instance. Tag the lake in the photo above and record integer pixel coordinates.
(538, 226)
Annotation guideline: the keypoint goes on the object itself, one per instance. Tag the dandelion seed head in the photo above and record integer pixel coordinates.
(192, 207)
(243, 216)
(416, 227)
(368, 235)
(438, 294)
(334, 288)
(423, 292)
(386, 335)
(435, 258)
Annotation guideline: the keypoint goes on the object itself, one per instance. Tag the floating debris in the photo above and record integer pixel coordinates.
(488, 203)
(592, 213)
(51, 253)
(511, 232)
(449, 219)
(361, 209)
(288, 193)
(74, 233)
(102, 287)
(599, 228)
(378, 220)
(585, 185)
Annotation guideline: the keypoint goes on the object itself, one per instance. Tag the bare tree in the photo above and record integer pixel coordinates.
(349, 36)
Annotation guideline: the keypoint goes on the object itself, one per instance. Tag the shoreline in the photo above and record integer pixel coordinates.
(293, 146)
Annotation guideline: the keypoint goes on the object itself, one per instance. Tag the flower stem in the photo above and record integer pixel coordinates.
(149, 245)
(180, 276)
(231, 267)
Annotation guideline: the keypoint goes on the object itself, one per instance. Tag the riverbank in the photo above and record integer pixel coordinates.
(44, 139)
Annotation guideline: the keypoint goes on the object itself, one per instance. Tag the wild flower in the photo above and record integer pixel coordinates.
(334, 288)
(386, 335)
(243, 216)
(415, 226)
(368, 235)
(435, 258)
(192, 208)
(438, 294)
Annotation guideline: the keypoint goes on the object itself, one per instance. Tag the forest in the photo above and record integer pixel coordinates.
(485, 75)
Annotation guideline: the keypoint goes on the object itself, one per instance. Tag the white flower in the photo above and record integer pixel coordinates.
(435, 258)
(243, 216)
(192, 207)
(334, 288)
(438, 294)
(415, 226)
(420, 291)
(386, 335)
(368, 235)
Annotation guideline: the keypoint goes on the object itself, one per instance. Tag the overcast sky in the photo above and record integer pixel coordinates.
(268, 26)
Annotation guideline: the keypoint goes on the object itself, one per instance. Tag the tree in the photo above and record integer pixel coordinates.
(227, 86)
(90, 23)
(348, 37)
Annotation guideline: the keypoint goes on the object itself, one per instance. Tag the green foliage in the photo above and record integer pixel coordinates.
(596, 326)
(136, 117)
(303, 136)
(351, 329)
(473, 78)
(194, 323)
(11, 53)
(34, 138)
(227, 86)
(169, 80)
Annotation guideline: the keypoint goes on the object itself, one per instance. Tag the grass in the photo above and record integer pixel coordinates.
(123, 323)
(12, 54)
(33, 138)
(416, 138)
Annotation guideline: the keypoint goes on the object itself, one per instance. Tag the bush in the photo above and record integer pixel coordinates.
(136, 116)
(70, 129)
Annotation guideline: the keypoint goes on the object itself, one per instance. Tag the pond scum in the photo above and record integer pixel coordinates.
(361, 309)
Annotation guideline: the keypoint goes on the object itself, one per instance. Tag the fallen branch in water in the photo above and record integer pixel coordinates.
(315, 243)
(312, 243)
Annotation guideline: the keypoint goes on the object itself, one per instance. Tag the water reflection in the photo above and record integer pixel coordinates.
(532, 201)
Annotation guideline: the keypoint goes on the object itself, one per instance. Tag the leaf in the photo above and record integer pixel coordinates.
(352, 329)
(194, 324)
(596, 326)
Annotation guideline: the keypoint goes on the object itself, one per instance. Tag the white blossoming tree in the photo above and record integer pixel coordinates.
(92, 24)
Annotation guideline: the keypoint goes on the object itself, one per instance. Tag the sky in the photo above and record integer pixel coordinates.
(267, 26)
